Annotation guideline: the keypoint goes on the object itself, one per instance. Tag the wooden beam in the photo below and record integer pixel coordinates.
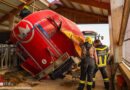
(81, 13)
(15, 11)
(23, 1)
(4, 25)
(32, 5)
(101, 10)
(3, 28)
(116, 17)
(8, 4)
(3, 11)
(81, 7)
(126, 13)
(11, 21)
(63, 3)
(71, 4)
(110, 34)
(91, 9)
(94, 3)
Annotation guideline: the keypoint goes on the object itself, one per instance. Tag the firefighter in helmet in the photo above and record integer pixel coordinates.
(102, 52)
(25, 12)
(88, 60)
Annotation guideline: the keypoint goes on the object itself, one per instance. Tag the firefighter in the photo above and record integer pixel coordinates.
(89, 58)
(25, 12)
(102, 52)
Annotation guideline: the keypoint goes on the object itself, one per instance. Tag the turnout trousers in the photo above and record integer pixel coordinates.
(87, 68)
(104, 76)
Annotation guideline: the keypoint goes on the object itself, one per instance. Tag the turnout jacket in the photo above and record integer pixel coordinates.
(102, 52)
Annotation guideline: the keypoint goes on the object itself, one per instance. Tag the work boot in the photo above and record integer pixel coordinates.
(93, 86)
(81, 86)
(89, 87)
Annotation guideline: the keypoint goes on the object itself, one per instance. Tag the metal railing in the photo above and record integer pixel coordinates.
(8, 57)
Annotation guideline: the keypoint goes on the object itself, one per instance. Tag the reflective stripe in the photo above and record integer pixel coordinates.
(106, 79)
(93, 79)
(105, 60)
(100, 60)
(81, 81)
(89, 83)
(101, 64)
(102, 48)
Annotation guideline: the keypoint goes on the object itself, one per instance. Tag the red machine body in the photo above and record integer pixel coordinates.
(41, 42)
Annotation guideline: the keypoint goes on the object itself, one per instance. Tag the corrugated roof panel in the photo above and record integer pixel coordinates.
(5, 22)
(31, 9)
(76, 5)
(3, 28)
(2, 14)
(96, 10)
(5, 7)
(86, 8)
(105, 12)
(40, 5)
(14, 2)
(66, 3)
(44, 2)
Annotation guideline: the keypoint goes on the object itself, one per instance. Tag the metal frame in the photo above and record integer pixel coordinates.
(55, 65)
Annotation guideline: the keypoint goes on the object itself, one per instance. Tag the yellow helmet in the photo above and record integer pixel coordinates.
(26, 7)
(89, 40)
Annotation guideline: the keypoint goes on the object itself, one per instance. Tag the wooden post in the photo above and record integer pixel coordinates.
(11, 21)
(110, 34)
(116, 17)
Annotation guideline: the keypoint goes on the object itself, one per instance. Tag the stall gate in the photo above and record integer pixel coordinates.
(8, 57)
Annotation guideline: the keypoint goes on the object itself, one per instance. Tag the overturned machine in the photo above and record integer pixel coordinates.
(44, 42)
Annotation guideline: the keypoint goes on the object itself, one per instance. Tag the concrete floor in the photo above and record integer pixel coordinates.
(60, 84)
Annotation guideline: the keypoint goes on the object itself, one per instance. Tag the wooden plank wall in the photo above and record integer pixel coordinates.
(126, 44)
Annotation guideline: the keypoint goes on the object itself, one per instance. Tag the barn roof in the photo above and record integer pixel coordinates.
(79, 11)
